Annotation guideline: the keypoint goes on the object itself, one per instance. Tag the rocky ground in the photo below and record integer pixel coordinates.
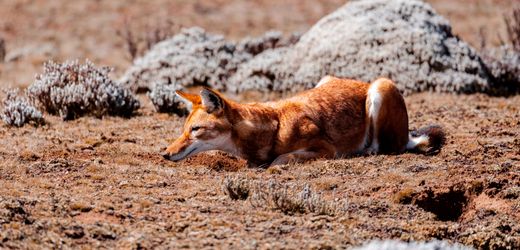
(103, 183)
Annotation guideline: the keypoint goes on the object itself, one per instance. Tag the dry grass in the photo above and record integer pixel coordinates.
(140, 200)
(287, 199)
(278, 196)
(513, 27)
(3, 50)
(236, 187)
(137, 42)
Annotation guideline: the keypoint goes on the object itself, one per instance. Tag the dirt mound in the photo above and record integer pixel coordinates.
(217, 161)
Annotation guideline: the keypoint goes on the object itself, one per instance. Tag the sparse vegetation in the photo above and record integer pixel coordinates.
(191, 58)
(137, 45)
(281, 197)
(513, 27)
(72, 90)
(286, 199)
(18, 111)
(237, 188)
(102, 183)
(431, 58)
(3, 50)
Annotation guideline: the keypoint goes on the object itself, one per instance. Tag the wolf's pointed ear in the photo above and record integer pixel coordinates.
(211, 100)
(190, 100)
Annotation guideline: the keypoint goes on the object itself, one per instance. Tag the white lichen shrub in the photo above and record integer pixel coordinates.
(314, 203)
(504, 66)
(18, 111)
(401, 245)
(269, 40)
(72, 90)
(194, 58)
(165, 100)
(404, 40)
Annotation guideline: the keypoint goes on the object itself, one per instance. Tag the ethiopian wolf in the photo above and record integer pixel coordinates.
(338, 118)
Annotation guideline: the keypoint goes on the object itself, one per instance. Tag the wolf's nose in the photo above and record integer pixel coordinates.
(166, 156)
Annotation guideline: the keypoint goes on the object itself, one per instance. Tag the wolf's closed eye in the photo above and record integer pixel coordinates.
(195, 128)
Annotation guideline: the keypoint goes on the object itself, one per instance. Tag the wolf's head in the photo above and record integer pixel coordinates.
(206, 128)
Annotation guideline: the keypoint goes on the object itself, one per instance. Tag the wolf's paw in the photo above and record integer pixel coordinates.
(371, 151)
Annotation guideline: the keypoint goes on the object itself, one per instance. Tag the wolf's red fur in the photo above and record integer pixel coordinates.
(339, 117)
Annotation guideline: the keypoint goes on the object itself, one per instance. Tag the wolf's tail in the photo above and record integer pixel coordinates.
(428, 140)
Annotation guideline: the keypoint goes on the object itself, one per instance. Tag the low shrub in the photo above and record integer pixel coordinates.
(236, 188)
(504, 66)
(72, 90)
(194, 57)
(18, 111)
(287, 200)
(282, 197)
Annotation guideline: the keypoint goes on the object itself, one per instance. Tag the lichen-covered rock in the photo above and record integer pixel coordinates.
(73, 90)
(190, 58)
(404, 40)
(18, 111)
(504, 66)
(165, 101)
(194, 58)
(270, 40)
(400, 245)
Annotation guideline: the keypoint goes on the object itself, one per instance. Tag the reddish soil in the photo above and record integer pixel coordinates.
(103, 183)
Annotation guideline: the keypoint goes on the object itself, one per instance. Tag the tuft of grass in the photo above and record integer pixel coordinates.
(137, 45)
(513, 28)
(279, 197)
(404, 196)
(282, 197)
(80, 206)
(3, 50)
(237, 188)
(288, 200)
